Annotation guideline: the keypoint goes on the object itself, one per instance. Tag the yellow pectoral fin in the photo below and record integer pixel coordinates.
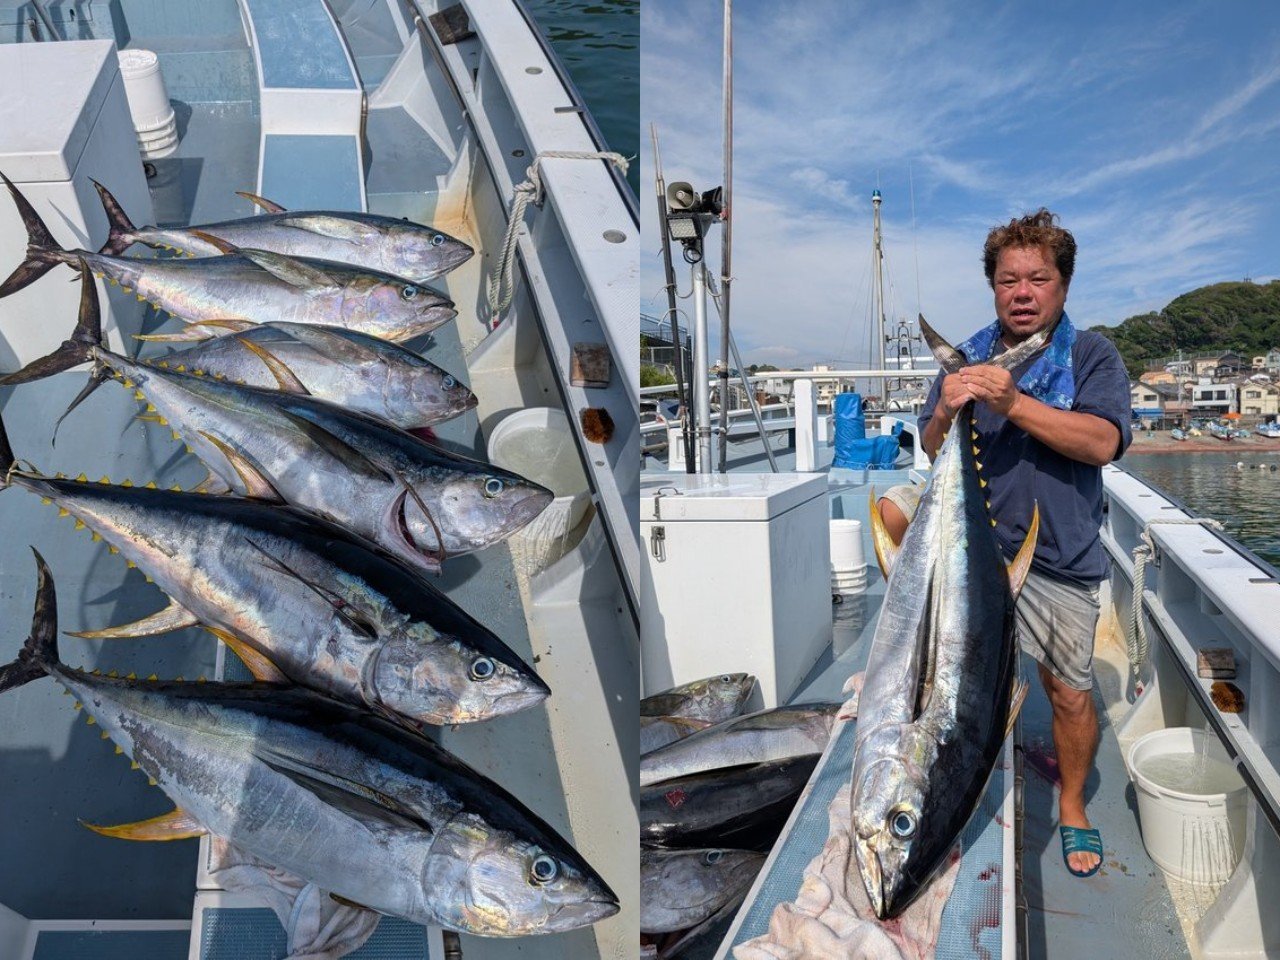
(174, 825)
(886, 550)
(1021, 565)
(257, 663)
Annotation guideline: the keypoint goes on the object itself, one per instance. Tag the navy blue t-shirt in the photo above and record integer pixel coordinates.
(1022, 471)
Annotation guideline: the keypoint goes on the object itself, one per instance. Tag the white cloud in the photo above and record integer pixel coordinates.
(1151, 137)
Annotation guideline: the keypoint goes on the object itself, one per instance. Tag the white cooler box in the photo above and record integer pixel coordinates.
(736, 579)
(65, 119)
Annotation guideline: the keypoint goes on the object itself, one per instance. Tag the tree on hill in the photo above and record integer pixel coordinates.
(1244, 317)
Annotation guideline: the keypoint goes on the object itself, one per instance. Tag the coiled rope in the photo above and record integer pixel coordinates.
(1142, 554)
(501, 287)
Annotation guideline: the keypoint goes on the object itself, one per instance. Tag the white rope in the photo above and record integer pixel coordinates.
(1142, 554)
(501, 286)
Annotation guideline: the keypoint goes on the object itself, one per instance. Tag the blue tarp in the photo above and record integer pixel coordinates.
(851, 423)
(878, 453)
(854, 449)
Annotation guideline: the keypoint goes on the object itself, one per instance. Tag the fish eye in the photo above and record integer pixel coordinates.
(482, 668)
(492, 487)
(437, 240)
(902, 825)
(712, 856)
(726, 679)
(449, 382)
(544, 869)
(408, 292)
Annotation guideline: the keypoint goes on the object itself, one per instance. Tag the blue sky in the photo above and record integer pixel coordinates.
(1153, 129)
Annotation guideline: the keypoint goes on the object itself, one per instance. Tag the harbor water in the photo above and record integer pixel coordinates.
(598, 41)
(1246, 499)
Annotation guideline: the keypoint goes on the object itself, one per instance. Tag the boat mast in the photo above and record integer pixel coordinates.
(878, 255)
(725, 250)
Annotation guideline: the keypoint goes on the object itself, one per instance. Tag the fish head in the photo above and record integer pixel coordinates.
(512, 878)
(731, 690)
(454, 671)
(889, 836)
(439, 394)
(424, 252)
(474, 507)
(379, 302)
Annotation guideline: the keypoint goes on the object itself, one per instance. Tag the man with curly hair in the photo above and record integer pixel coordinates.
(1045, 431)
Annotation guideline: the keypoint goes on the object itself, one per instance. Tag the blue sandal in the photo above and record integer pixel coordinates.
(1080, 840)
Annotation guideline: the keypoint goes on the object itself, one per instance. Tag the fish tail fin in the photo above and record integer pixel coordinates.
(951, 359)
(43, 252)
(948, 357)
(41, 648)
(73, 352)
(122, 232)
(8, 462)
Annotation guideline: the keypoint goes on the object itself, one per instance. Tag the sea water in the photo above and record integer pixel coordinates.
(1194, 773)
(1245, 500)
(598, 41)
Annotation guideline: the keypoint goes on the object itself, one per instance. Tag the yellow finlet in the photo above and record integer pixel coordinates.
(91, 720)
(82, 478)
(133, 765)
(63, 512)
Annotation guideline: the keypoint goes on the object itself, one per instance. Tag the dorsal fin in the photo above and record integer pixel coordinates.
(1021, 564)
(216, 242)
(886, 550)
(267, 205)
(173, 617)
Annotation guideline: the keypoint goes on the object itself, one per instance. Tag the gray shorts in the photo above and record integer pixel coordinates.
(904, 496)
(1056, 625)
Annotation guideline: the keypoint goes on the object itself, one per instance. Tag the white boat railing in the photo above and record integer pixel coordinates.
(1199, 590)
(803, 413)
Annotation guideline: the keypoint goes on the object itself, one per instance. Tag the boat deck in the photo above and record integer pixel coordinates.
(1145, 914)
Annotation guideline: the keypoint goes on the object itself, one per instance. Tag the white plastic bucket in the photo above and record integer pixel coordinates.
(846, 545)
(538, 444)
(1191, 804)
(153, 117)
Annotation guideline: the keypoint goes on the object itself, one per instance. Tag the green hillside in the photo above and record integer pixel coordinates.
(1244, 317)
